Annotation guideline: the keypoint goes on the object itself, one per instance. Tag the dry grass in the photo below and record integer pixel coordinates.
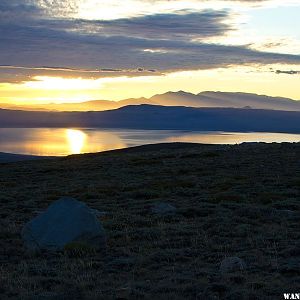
(232, 201)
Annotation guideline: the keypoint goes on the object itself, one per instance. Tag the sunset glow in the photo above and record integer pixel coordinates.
(135, 48)
(149, 149)
(253, 79)
(60, 83)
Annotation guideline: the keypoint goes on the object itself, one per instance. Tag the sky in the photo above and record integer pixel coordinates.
(80, 50)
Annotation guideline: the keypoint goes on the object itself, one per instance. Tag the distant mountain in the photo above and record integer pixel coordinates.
(161, 117)
(94, 105)
(240, 100)
(222, 99)
(180, 98)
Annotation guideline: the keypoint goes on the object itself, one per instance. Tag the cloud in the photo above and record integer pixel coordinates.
(291, 72)
(58, 6)
(137, 46)
(68, 50)
(181, 25)
(18, 74)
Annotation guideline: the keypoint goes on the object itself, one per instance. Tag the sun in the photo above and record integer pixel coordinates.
(76, 140)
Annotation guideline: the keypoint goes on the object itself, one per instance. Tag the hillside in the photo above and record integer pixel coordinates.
(240, 200)
(93, 105)
(180, 98)
(10, 157)
(161, 117)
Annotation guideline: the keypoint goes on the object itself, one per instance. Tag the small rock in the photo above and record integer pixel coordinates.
(163, 208)
(232, 264)
(65, 221)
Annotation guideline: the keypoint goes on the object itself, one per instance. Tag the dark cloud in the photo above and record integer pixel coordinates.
(37, 47)
(181, 25)
(31, 39)
(273, 45)
(291, 72)
(17, 74)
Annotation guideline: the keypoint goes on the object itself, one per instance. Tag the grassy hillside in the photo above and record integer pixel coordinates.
(240, 200)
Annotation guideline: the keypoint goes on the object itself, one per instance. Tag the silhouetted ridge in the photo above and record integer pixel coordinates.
(180, 98)
(161, 117)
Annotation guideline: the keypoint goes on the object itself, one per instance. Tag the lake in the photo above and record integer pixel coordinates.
(65, 141)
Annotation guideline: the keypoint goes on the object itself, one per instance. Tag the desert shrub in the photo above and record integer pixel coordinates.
(210, 154)
(295, 182)
(78, 249)
(269, 197)
(228, 197)
(145, 194)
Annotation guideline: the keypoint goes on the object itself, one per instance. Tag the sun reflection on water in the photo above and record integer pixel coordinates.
(66, 141)
(76, 140)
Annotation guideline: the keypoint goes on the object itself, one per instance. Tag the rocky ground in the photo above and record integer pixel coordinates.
(238, 201)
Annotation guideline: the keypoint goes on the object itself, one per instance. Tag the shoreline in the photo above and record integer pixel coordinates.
(6, 157)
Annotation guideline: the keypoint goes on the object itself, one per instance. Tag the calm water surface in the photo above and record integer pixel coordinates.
(65, 141)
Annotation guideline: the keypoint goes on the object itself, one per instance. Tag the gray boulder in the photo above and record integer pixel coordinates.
(163, 208)
(232, 264)
(65, 221)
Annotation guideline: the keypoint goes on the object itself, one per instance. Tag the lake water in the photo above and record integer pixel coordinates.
(65, 141)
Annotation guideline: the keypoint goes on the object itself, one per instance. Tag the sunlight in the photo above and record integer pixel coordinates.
(253, 78)
(76, 139)
(60, 83)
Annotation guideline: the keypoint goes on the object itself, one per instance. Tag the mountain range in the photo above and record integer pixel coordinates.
(180, 98)
(160, 117)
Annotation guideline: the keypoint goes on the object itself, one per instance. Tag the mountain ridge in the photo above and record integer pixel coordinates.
(179, 98)
(157, 117)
